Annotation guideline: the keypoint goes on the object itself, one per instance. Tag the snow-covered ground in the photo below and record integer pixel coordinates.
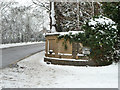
(18, 44)
(34, 73)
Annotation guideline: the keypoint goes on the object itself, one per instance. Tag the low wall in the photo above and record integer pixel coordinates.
(72, 63)
(58, 56)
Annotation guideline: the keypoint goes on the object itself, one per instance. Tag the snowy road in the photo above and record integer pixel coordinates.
(10, 55)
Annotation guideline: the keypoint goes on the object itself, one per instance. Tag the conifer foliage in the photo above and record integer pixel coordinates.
(101, 36)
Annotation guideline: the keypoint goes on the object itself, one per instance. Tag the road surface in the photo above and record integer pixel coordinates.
(13, 54)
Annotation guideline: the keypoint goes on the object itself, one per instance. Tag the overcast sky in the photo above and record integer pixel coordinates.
(21, 2)
(29, 2)
(25, 2)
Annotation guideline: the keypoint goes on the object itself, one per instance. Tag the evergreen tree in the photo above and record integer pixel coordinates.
(101, 37)
(112, 10)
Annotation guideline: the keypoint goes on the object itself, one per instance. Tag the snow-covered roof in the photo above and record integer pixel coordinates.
(64, 33)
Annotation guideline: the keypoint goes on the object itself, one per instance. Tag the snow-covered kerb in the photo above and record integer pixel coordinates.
(18, 44)
(65, 59)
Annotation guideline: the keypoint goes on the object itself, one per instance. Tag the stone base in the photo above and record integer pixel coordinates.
(57, 61)
(71, 63)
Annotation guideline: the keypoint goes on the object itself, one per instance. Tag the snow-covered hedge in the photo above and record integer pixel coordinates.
(100, 34)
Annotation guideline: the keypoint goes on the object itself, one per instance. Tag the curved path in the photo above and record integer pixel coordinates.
(14, 54)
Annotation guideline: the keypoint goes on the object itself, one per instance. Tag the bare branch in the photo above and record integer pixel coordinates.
(41, 4)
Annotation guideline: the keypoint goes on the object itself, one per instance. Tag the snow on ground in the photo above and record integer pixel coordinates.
(33, 72)
(18, 44)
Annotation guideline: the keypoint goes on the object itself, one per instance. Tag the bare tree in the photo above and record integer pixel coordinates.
(20, 23)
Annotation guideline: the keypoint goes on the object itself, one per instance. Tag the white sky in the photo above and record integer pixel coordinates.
(29, 2)
(21, 2)
(24, 2)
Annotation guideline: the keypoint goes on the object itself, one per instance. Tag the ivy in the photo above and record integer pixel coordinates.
(71, 38)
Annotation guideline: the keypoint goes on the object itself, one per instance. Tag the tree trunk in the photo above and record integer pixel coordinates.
(50, 16)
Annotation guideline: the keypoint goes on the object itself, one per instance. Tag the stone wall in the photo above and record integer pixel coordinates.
(72, 63)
